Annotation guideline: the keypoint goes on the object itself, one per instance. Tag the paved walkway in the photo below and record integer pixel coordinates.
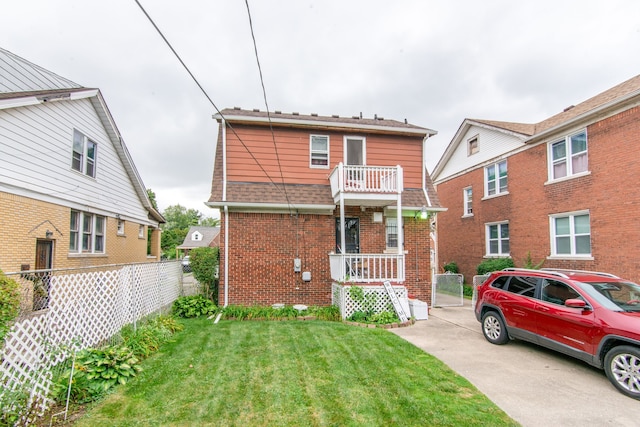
(533, 386)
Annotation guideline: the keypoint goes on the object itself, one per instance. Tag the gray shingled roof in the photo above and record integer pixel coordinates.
(209, 234)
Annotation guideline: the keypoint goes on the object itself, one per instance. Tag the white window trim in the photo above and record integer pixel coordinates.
(552, 237)
(80, 233)
(477, 138)
(386, 234)
(486, 180)
(488, 254)
(83, 160)
(364, 148)
(465, 201)
(311, 165)
(567, 140)
(141, 232)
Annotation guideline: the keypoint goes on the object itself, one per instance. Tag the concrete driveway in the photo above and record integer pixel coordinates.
(534, 386)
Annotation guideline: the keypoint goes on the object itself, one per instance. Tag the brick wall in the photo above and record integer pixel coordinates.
(262, 248)
(607, 192)
(23, 221)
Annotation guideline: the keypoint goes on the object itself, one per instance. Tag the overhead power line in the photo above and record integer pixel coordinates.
(193, 77)
(266, 104)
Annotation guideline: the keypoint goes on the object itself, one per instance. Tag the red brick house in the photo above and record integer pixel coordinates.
(308, 200)
(559, 189)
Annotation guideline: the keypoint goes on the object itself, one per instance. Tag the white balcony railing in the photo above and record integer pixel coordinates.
(366, 179)
(367, 268)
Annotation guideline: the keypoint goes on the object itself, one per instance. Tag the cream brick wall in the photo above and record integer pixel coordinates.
(23, 221)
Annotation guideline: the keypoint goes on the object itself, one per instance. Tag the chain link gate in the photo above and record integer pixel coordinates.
(477, 281)
(448, 290)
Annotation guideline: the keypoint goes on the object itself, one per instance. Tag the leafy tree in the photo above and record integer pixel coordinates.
(204, 264)
(152, 198)
(209, 222)
(178, 216)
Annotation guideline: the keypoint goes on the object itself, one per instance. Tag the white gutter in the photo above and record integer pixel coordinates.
(226, 213)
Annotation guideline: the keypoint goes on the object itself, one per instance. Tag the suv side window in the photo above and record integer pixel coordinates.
(556, 292)
(500, 282)
(523, 285)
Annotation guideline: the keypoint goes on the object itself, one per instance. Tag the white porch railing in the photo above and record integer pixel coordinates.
(367, 268)
(366, 179)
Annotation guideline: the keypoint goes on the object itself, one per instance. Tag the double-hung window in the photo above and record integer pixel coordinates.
(497, 238)
(83, 158)
(467, 194)
(319, 151)
(569, 156)
(86, 232)
(571, 234)
(496, 178)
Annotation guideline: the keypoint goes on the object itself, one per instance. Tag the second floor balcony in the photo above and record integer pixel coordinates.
(366, 185)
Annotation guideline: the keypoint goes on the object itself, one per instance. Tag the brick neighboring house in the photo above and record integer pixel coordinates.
(318, 201)
(70, 193)
(561, 190)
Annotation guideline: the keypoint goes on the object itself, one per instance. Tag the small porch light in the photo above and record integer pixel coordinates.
(48, 234)
(423, 213)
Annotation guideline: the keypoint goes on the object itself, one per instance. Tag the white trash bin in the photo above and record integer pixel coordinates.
(419, 309)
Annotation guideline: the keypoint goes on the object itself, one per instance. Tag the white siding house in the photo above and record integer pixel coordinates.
(60, 152)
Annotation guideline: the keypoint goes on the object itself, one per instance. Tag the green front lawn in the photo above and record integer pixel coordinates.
(293, 373)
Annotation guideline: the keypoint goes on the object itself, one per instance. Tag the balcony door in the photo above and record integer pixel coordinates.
(354, 151)
(351, 236)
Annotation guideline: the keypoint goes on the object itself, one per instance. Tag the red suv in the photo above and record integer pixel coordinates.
(594, 317)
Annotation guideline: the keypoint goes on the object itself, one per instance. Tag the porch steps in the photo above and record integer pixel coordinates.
(395, 301)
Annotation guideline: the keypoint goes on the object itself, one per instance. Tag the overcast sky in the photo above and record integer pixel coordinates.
(433, 62)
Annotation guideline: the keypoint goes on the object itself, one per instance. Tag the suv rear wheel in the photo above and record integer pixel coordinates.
(622, 365)
(493, 328)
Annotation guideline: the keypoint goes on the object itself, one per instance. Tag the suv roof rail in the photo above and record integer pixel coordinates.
(530, 270)
(571, 270)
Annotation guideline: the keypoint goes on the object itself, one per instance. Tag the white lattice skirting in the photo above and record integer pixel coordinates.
(340, 297)
(85, 309)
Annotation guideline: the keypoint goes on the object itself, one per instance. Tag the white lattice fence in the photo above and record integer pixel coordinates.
(381, 301)
(85, 308)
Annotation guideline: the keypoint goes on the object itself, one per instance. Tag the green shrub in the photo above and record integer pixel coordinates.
(204, 265)
(9, 304)
(193, 306)
(528, 263)
(95, 372)
(467, 291)
(451, 267)
(494, 264)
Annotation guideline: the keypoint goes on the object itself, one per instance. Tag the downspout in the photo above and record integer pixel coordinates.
(424, 169)
(226, 213)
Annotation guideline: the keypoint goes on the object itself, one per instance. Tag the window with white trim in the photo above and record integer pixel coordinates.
(496, 178)
(319, 151)
(472, 146)
(83, 157)
(141, 232)
(392, 233)
(467, 195)
(86, 232)
(569, 156)
(571, 234)
(497, 238)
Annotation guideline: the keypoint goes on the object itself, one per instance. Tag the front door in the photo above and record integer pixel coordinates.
(351, 236)
(41, 283)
